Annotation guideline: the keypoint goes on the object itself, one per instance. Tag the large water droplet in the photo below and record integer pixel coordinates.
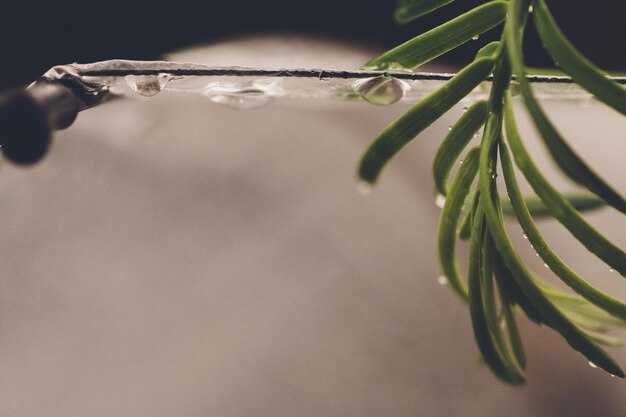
(242, 96)
(440, 200)
(441, 280)
(147, 85)
(364, 188)
(382, 90)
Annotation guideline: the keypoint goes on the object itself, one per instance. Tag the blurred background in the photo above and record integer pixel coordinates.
(36, 35)
(170, 257)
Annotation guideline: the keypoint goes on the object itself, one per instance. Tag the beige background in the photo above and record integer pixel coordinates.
(174, 258)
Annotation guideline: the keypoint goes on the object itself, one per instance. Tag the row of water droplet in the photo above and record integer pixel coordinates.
(243, 95)
(382, 90)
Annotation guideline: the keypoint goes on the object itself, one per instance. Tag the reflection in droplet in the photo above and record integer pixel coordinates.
(381, 91)
(242, 96)
(440, 200)
(441, 280)
(364, 188)
(147, 85)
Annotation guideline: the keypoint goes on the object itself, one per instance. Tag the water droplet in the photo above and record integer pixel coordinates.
(525, 236)
(593, 365)
(514, 88)
(364, 188)
(440, 200)
(441, 280)
(381, 91)
(243, 100)
(243, 96)
(475, 38)
(545, 264)
(147, 85)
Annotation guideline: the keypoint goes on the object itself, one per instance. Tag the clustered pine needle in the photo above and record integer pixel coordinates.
(498, 283)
